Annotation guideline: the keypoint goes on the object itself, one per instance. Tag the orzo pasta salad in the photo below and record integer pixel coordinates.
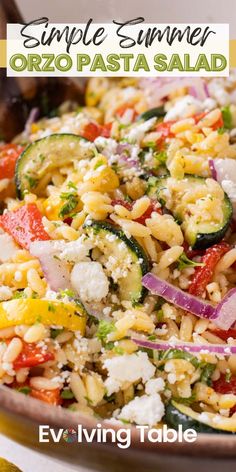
(118, 254)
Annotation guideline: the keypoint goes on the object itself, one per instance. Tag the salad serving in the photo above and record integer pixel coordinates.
(118, 254)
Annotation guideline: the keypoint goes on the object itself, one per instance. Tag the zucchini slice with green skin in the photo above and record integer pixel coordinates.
(132, 260)
(157, 112)
(200, 235)
(45, 155)
(213, 423)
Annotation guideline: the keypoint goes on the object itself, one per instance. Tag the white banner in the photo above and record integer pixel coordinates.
(133, 48)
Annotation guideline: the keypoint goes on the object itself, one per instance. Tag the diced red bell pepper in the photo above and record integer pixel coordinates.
(91, 131)
(124, 203)
(190, 253)
(31, 356)
(106, 130)
(152, 207)
(218, 124)
(9, 154)
(224, 335)
(24, 225)
(68, 220)
(123, 108)
(222, 386)
(164, 128)
(203, 274)
(48, 396)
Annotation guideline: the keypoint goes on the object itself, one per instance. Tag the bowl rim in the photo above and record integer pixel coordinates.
(37, 412)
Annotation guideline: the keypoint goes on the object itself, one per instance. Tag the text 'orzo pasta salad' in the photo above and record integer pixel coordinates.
(118, 254)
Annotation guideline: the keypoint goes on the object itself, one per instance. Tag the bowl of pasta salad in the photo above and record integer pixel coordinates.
(118, 263)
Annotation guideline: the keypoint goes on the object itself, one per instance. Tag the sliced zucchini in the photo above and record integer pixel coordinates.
(177, 414)
(45, 155)
(128, 262)
(157, 112)
(199, 234)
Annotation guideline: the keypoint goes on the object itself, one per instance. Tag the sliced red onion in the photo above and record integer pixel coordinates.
(178, 297)
(33, 116)
(226, 311)
(212, 169)
(223, 349)
(225, 169)
(126, 159)
(158, 88)
(224, 315)
(55, 271)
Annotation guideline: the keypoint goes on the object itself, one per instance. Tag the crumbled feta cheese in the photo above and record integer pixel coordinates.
(107, 310)
(184, 107)
(5, 292)
(51, 295)
(80, 344)
(145, 410)
(137, 133)
(8, 248)
(112, 385)
(76, 251)
(204, 417)
(127, 368)
(209, 104)
(154, 386)
(108, 146)
(89, 281)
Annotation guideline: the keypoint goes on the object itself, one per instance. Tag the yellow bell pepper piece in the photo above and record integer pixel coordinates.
(29, 311)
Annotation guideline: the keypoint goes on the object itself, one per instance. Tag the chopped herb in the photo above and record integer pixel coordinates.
(152, 337)
(67, 293)
(150, 144)
(159, 303)
(221, 130)
(88, 400)
(26, 390)
(124, 421)
(55, 332)
(72, 186)
(67, 394)
(152, 181)
(98, 164)
(207, 372)
(109, 346)
(19, 294)
(104, 328)
(42, 157)
(178, 354)
(71, 202)
(92, 320)
(228, 376)
(184, 262)
(51, 307)
(160, 316)
(184, 400)
(32, 182)
(119, 350)
(110, 398)
(227, 117)
(161, 157)
(72, 407)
